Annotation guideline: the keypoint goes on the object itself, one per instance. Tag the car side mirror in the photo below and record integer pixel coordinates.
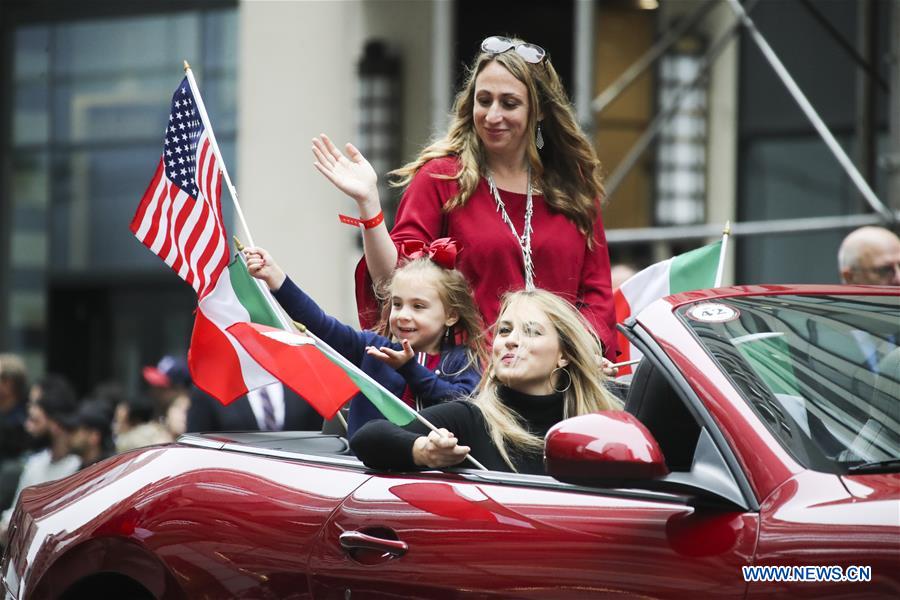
(604, 447)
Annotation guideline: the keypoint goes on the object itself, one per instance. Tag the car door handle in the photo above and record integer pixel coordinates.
(356, 540)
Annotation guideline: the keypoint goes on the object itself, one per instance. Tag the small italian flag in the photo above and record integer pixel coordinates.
(219, 364)
(237, 346)
(299, 363)
(686, 272)
(321, 375)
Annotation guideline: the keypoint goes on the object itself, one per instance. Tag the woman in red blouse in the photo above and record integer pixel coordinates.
(514, 181)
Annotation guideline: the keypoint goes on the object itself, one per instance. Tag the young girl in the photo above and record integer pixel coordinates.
(429, 346)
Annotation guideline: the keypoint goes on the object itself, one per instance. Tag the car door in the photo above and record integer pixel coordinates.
(441, 536)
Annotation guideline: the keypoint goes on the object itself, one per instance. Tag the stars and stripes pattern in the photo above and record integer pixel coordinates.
(180, 215)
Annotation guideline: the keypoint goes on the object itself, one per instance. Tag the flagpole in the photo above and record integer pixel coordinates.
(726, 233)
(626, 363)
(201, 108)
(195, 90)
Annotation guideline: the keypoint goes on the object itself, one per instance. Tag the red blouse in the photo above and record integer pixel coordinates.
(491, 258)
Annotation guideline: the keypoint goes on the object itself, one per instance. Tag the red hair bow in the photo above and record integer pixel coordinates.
(441, 251)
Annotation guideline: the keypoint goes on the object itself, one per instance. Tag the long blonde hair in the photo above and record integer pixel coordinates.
(456, 296)
(586, 394)
(567, 169)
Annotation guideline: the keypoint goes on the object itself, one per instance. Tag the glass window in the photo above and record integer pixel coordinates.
(31, 117)
(123, 109)
(109, 47)
(89, 109)
(30, 180)
(822, 373)
(31, 56)
(681, 151)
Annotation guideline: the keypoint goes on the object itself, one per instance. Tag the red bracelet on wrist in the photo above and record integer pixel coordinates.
(364, 223)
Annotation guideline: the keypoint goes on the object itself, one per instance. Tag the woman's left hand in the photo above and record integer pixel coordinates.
(354, 175)
(394, 358)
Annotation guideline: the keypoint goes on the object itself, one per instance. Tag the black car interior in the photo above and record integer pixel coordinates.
(649, 397)
(653, 400)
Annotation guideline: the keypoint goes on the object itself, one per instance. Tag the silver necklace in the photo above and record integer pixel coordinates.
(524, 239)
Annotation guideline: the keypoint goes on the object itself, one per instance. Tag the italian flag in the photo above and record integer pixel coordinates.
(316, 371)
(299, 364)
(228, 357)
(237, 346)
(686, 272)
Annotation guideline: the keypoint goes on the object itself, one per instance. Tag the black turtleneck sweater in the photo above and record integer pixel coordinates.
(382, 445)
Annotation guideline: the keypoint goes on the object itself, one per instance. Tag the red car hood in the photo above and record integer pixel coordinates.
(885, 486)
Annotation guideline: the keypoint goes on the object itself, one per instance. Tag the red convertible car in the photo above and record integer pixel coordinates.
(758, 455)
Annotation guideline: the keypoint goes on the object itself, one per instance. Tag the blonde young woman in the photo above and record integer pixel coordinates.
(514, 181)
(542, 370)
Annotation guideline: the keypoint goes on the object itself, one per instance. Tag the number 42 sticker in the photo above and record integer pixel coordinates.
(713, 312)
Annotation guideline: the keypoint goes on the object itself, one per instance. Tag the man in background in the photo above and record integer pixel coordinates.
(619, 273)
(170, 384)
(13, 406)
(14, 440)
(870, 256)
(51, 417)
(135, 424)
(92, 439)
(271, 408)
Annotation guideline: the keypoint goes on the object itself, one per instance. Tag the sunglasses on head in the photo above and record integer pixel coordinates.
(498, 45)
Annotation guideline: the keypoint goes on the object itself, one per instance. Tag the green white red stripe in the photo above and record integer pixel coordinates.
(686, 272)
(219, 365)
(299, 363)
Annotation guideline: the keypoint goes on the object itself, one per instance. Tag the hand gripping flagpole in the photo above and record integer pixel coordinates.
(726, 233)
(285, 322)
(336, 356)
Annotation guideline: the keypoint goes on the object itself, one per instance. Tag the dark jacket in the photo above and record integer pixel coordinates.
(208, 414)
(383, 445)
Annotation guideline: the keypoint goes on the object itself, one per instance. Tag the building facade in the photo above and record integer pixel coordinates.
(81, 134)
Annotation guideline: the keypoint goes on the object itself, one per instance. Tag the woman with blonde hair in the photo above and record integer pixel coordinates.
(542, 370)
(514, 181)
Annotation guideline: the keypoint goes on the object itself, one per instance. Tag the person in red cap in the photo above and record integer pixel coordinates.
(170, 384)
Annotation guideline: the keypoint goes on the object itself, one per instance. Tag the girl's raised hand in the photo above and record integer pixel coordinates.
(394, 358)
(354, 175)
(261, 265)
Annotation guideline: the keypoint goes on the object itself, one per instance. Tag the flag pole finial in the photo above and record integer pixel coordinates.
(727, 230)
(300, 326)
(187, 67)
(237, 243)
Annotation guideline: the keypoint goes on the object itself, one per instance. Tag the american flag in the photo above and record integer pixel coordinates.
(180, 215)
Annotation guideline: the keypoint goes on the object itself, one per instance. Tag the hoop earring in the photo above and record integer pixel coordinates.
(568, 379)
(539, 138)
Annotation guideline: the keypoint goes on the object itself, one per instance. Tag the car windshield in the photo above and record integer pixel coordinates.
(821, 372)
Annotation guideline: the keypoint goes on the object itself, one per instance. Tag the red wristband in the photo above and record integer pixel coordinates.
(366, 223)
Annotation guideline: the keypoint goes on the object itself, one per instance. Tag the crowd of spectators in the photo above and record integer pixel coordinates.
(47, 432)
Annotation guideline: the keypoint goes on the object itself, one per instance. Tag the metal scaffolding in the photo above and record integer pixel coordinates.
(881, 213)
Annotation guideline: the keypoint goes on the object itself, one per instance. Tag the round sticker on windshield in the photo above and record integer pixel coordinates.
(713, 312)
